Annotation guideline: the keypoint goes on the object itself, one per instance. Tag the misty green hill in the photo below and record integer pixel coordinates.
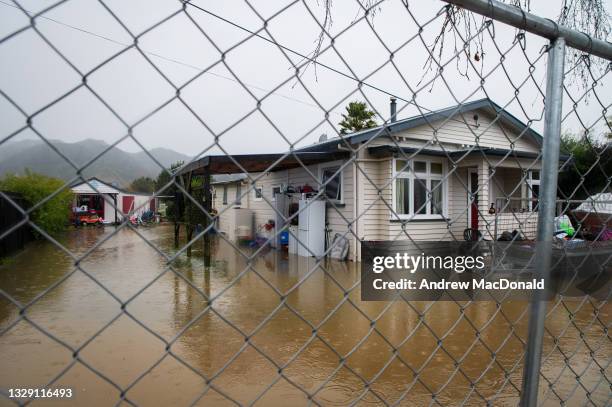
(115, 165)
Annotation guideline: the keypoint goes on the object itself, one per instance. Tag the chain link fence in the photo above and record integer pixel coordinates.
(251, 324)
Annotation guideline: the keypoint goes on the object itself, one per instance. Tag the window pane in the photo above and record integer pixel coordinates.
(402, 196)
(420, 166)
(333, 188)
(420, 196)
(436, 197)
(275, 191)
(535, 175)
(436, 168)
(535, 192)
(238, 193)
(400, 164)
(224, 194)
(258, 193)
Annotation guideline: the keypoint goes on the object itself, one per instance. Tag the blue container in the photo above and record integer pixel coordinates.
(284, 237)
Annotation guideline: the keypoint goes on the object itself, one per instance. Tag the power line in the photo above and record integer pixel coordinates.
(253, 33)
(315, 61)
(168, 59)
(309, 59)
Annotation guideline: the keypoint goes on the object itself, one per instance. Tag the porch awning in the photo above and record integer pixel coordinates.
(235, 164)
(385, 151)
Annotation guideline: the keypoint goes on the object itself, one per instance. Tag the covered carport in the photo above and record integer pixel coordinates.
(247, 164)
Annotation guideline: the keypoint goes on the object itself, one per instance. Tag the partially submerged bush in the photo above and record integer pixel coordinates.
(53, 215)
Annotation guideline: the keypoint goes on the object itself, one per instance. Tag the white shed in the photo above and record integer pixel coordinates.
(109, 201)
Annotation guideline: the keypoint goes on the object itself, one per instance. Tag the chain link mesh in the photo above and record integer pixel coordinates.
(301, 320)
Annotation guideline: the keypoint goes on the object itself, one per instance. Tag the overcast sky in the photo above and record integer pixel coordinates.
(33, 75)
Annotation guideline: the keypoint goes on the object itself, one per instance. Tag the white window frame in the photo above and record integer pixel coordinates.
(529, 188)
(255, 188)
(428, 176)
(333, 164)
(272, 190)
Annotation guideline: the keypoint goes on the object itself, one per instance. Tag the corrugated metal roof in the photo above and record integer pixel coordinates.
(100, 187)
(237, 163)
(485, 104)
(324, 151)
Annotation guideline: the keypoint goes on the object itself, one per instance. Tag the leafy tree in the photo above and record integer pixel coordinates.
(53, 215)
(357, 117)
(589, 167)
(164, 178)
(160, 186)
(143, 184)
(186, 211)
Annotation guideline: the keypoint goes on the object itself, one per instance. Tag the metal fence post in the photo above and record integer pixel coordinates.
(547, 199)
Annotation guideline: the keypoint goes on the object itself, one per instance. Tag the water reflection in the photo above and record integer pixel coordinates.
(320, 333)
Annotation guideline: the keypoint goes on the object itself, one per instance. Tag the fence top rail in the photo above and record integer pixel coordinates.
(544, 27)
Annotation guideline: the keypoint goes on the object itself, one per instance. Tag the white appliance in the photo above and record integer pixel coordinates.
(240, 224)
(293, 245)
(311, 227)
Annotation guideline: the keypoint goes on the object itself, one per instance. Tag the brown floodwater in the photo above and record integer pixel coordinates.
(251, 345)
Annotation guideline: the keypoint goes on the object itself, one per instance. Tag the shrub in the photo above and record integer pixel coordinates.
(52, 216)
(590, 167)
(143, 184)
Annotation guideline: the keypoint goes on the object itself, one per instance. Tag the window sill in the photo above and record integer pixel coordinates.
(417, 220)
(336, 204)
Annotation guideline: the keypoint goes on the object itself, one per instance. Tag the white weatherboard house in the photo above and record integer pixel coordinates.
(464, 159)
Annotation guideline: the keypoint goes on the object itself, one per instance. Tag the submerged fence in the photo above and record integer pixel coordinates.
(9, 216)
(425, 173)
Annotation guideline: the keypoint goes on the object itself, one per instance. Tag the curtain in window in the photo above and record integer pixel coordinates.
(436, 197)
(420, 196)
(402, 197)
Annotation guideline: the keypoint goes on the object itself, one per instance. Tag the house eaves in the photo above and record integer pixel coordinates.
(385, 151)
(253, 163)
(227, 178)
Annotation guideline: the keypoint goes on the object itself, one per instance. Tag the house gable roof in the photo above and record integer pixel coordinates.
(99, 185)
(504, 117)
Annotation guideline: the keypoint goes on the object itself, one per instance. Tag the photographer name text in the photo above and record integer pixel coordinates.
(475, 284)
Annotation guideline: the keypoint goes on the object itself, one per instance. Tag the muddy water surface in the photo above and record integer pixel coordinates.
(251, 343)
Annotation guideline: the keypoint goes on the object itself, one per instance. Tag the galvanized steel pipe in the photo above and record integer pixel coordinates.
(544, 27)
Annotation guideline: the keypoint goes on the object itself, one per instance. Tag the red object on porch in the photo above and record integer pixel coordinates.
(474, 215)
(128, 203)
(152, 205)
